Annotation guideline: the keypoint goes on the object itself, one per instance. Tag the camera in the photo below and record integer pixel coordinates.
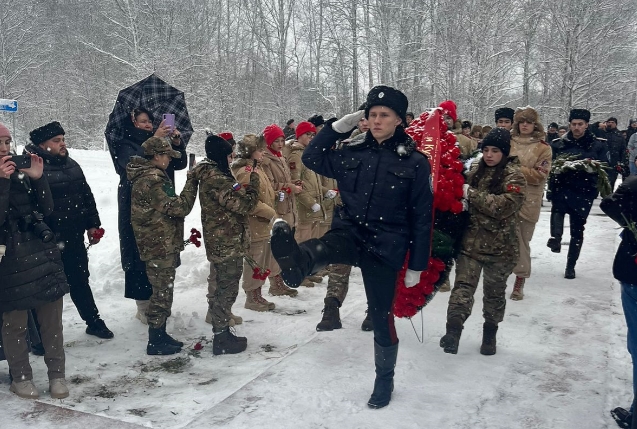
(35, 221)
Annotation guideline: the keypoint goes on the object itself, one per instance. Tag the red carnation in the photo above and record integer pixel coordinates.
(198, 346)
(98, 233)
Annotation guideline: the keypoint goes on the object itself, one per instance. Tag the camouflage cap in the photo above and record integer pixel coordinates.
(157, 146)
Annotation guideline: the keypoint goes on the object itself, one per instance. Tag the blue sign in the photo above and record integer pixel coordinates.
(8, 105)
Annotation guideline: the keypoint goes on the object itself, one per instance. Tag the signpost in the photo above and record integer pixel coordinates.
(10, 106)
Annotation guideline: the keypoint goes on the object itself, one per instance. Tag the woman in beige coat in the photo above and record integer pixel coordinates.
(249, 149)
(527, 143)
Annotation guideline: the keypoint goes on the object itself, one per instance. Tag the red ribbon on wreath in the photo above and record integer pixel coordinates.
(432, 138)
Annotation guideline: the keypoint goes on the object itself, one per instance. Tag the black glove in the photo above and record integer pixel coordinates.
(254, 164)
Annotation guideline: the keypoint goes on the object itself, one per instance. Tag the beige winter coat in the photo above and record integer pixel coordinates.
(535, 159)
(467, 145)
(276, 168)
(262, 215)
(313, 191)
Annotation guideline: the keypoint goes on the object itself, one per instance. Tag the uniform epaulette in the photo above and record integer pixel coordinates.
(601, 139)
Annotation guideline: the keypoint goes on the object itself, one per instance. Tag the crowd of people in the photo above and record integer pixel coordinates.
(290, 206)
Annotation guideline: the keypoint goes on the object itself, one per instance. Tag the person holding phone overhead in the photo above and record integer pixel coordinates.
(140, 129)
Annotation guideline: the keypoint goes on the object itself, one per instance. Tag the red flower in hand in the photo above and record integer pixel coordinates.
(194, 238)
(99, 233)
(198, 346)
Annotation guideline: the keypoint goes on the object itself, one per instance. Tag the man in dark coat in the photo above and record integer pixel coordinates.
(385, 186)
(622, 208)
(136, 284)
(616, 151)
(573, 191)
(74, 214)
(289, 130)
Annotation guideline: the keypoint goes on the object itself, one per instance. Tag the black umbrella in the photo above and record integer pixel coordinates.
(154, 95)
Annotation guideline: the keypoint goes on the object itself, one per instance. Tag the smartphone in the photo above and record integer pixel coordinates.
(169, 120)
(21, 161)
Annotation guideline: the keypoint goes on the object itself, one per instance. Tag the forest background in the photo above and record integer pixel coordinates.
(244, 64)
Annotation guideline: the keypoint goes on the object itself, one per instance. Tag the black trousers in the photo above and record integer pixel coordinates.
(75, 260)
(576, 220)
(378, 277)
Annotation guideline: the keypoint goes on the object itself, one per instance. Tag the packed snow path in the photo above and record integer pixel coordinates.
(561, 360)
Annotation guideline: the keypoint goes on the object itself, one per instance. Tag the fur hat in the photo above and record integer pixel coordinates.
(528, 114)
(4, 131)
(505, 113)
(289, 122)
(476, 129)
(466, 124)
(271, 133)
(304, 127)
(46, 132)
(486, 129)
(317, 120)
(582, 114)
(554, 125)
(632, 121)
(500, 138)
(387, 96)
(157, 146)
(248, 145)
(217, 150)
(449, 108)
(612, 119)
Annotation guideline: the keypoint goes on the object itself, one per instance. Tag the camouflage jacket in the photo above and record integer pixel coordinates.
(313, 191)
(225, 206)
(263, 212)
(491, 234)
(157, 213)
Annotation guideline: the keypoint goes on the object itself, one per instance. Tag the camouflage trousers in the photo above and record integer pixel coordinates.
(223, 288)
(468, 272)
(161, 275)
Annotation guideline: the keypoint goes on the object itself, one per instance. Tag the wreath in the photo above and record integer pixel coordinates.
(432, 138)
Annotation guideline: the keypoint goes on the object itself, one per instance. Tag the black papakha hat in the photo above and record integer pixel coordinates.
(387, 96)
(500, 138)
(504, 112)
(583, 114)
(46, 132)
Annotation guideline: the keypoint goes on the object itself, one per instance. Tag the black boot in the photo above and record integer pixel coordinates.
(37, 349)
(170, 340)
(449, 342)
(296, 261)
(622, 417)
(331, 316)
(367, 324)
(574, 249)
(385, 359)
(557, 229)
(157, 344)
(226, 343)
(99, 329)
(489, 330)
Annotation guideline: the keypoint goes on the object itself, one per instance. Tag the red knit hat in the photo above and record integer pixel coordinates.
(4, 131)
(304, 127)
(226, 135)
(449, 108)
(271, 133)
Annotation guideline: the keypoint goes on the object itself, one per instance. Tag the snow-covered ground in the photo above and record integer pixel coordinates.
(561, 361)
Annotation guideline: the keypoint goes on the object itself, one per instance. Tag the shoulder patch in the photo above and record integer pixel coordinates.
(236, 187)
(513, 188)
(292, 165)
(248, 168)
(169, 189)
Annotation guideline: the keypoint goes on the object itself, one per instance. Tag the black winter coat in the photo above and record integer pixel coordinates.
(616, 147)
(386, 192)
(74, 209)
(624, 202)
(575, 191)
(121, 152)
(31, 271)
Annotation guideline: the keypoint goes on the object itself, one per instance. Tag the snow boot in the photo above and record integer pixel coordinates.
(315, 279)
(157, 344)
(385, 359)
(307, 283)
(557, 229)
(555, 244)
(58, 388)
(622, 417)
(367, 324)
(296, 261)
(449, 342)
(170, 340)
(99, 329)
(142, 307)
(24, 389)
(518, 289)
(226, 343)
(574, 249)
(331, 316)
(254, 301)
(279, 288)
(488, 339)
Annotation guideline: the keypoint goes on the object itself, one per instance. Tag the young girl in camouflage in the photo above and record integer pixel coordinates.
(495, 193)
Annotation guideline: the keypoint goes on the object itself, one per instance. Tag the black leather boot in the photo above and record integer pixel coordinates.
(385, 359)
(574, 249)
(170, 340)
(157, 344)
(489, 331)
(557, 229)
(296, 261)
(449, 342)
(367, 324)
(226, 343)
(331, 316)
